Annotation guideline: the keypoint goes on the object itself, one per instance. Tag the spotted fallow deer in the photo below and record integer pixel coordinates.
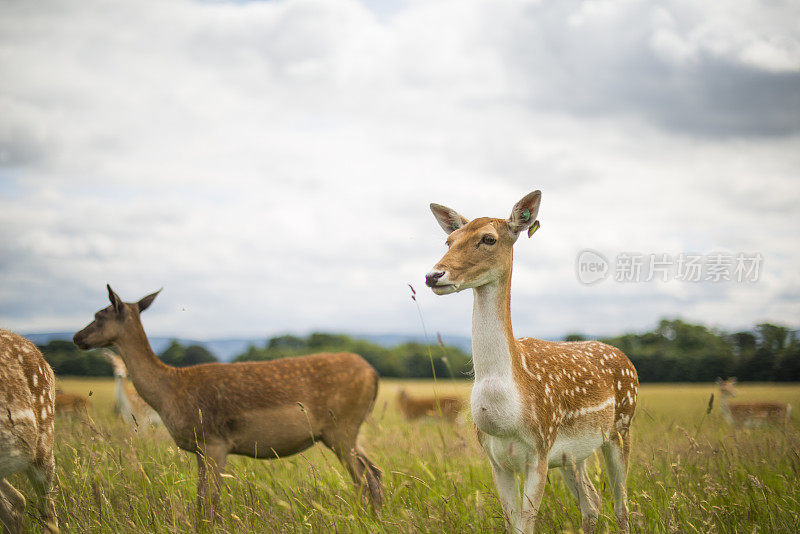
(750, 414)
(27, 415)
(257, 409)
(536, 404)
(129, 405)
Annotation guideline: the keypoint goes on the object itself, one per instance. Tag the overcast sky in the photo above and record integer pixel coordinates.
(270, 164)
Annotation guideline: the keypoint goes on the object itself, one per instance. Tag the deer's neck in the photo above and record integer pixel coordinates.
(493, 345)
(123, 402)
(152, 379)
(723, 404)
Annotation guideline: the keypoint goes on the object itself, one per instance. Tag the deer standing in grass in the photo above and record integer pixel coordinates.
(257, 409)
(130, 406)
(71, 404)
(414, 408)
(27, 416)
(750, 414)
(536, 404)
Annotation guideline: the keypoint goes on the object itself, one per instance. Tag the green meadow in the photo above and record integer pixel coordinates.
(690, 472)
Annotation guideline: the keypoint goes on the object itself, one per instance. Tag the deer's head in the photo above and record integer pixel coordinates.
(111, 322)
(479, 251)
(727, 387)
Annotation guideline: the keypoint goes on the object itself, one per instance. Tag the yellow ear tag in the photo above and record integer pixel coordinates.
(533, 228)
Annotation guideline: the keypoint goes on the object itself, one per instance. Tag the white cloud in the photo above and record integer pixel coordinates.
(270, 164)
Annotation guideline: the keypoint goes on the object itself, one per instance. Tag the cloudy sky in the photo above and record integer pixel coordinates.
(270, 164)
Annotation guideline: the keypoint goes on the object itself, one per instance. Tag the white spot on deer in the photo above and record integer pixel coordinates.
(19, 415)
(35, 380)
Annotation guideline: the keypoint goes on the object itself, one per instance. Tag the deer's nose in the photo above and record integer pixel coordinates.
(432, 278)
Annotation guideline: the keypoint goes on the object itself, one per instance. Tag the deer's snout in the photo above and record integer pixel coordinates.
(432, 278)
(78, 339)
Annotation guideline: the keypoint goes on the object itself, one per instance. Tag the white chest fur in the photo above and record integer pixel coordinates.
(496, 403)
(496, 406)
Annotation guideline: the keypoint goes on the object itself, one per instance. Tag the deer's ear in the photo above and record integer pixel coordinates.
(449, 220)
(524, 213)
(147, 301)
(115, 300)
(718, 381)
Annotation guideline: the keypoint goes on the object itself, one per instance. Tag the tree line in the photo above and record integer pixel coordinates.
(675, 351)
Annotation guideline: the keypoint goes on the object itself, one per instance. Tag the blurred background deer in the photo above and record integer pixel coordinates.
(71, 404)
(439, 406)
(750, 414)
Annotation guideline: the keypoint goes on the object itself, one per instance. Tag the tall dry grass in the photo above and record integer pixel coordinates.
(689, 473)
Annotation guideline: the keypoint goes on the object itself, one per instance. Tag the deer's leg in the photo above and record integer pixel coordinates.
(362, 470)
(42, 475)
(616, 452)
(12, 506)
(579, 484)
(366, 469)
(505, 480)
(210, 463)
(533, 491)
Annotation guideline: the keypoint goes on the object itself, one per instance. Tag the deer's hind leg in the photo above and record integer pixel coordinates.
(616, 451)
(577, 480)
(12, 506)
(42, 474)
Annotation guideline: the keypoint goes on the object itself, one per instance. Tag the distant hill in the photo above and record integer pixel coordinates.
(225, 349)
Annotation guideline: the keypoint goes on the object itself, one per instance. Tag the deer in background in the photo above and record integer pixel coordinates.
(750, 414)
(70, 404)
(258, 409)
(27, 400)
(130, 406)
(446, 407)
(536, 404)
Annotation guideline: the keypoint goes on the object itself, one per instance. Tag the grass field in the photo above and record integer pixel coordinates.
(689, 473)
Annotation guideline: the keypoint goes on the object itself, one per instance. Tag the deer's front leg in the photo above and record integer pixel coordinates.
(506, 483)
(535, 479)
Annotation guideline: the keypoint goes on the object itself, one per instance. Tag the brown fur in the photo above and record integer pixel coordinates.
(446, 407)
(128, 404)
(70, 404)
(258, 409)
(564, 390)
(749, 414)
(27, 410)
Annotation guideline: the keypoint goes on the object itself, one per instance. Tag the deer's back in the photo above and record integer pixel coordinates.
(758, 409)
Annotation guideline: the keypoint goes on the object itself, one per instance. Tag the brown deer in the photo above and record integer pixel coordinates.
(750, 414)
(27, 403)
(445, 407)
(536, 404)
(71, 404)
(129, 405)
(258, 409)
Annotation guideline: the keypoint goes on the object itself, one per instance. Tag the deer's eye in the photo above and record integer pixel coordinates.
(488, 240)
